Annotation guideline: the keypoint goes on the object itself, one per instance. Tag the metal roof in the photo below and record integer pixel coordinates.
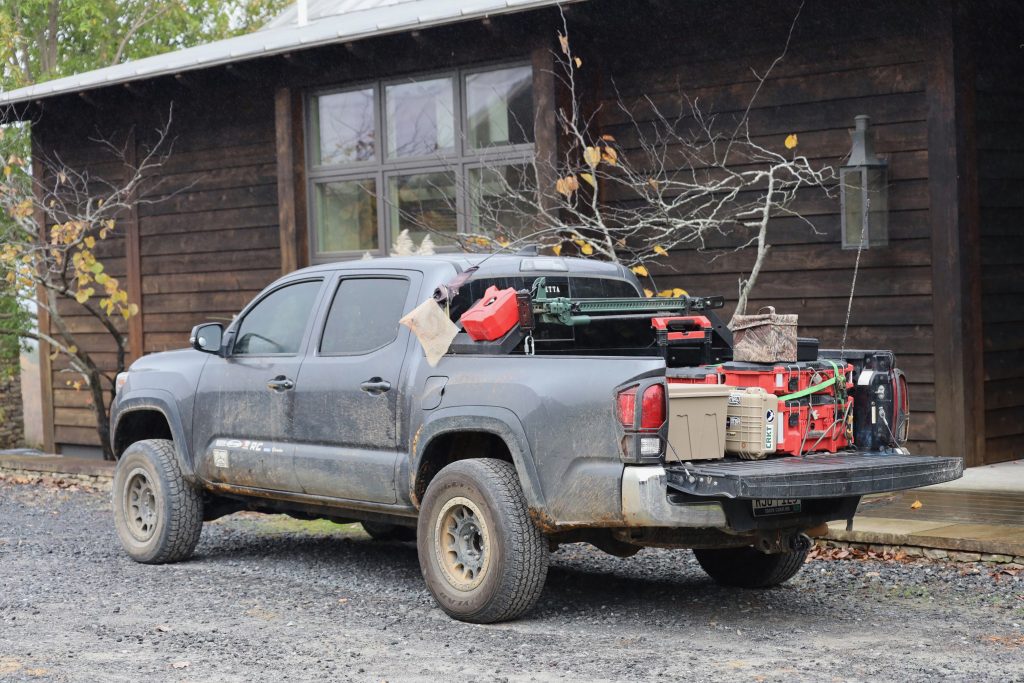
(330, 21)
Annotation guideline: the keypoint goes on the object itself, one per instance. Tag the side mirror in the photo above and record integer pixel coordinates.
(207, 337)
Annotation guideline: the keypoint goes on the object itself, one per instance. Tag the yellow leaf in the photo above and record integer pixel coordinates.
(564, 42)
(72, 349)
(589, 178)
(7, 171)
(648, 293)
(82, 296)
(90, 241)
(653, 183)
(678, 292)
(557, 249)
(608, 138)
(579, 62)
(640, 270)
(587, 249)
(665, 293)
(916, 505)
(503, 243)
(609, 155)
(567, 185)
(660, 250)
(791, 141)
(592, 155)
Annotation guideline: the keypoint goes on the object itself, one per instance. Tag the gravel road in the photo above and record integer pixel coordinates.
(269, 599)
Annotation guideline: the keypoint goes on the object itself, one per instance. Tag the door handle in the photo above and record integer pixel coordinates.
(375, 385)
(280, 383)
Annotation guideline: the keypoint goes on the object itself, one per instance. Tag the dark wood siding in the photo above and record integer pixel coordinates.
(838, 65)
(1000, 112)
(208, 224)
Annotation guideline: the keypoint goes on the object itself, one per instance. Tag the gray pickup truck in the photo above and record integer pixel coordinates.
(316, 403)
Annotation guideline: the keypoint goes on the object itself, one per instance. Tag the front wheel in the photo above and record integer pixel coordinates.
(158, 515)
(482, 557)
(750, 568)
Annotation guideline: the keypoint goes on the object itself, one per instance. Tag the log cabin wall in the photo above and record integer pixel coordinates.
(206, 219)
(1000, 141)
(844, 59)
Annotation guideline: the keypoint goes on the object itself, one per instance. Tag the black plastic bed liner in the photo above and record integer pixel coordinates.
(812, 476)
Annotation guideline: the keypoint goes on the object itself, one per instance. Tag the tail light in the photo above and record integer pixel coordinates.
(643, 417)
(652, 408)
(626, 402)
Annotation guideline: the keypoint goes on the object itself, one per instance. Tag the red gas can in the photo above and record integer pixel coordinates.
(492, 316)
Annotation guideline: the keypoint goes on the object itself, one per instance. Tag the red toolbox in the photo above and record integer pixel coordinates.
(492, 316)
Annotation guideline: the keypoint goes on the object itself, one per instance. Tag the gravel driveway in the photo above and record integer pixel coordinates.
(271, 599)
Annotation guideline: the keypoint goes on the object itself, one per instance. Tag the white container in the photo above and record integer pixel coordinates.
(753, 426)
(696, 421)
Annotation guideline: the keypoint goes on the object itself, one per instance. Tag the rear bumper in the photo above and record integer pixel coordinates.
(813, 476)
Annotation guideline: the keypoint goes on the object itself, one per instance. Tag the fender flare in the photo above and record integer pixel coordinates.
(500, 422)
(164, 403)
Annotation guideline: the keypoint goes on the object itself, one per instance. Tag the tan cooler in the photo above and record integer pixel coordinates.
(753, 429)
(696, 421)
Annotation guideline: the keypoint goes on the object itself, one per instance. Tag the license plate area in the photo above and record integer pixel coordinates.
(768, 507)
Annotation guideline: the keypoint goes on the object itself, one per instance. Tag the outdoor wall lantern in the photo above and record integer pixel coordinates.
(864, 193)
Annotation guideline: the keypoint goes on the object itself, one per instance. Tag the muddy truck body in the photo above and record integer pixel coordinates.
(317, 403)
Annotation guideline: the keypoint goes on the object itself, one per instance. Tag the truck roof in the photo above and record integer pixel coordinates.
(490, 265)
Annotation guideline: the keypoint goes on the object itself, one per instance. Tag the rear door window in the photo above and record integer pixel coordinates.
(364, 315)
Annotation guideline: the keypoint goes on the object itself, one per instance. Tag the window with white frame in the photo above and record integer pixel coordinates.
(432, 154)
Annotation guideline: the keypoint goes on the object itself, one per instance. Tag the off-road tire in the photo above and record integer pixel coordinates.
(176, 511)
(750, 568)
(380, 531)
(516, 550)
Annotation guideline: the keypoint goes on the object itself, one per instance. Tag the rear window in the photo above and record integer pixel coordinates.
(557, 285)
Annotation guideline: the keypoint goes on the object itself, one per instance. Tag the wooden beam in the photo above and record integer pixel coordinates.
(954, 215)
(133, 258)
(43, 316)
(291, 179)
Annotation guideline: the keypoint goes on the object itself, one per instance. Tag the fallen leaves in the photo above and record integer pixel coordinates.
(916, 505)
(791, 141)
(181, 665)
(819, 552)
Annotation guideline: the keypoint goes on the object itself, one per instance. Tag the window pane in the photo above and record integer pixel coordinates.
(345, 128)
(499, 107)
(364, 315)
(346, 216)
(420, 118)
(423, 203)
(502, 199)
(277, 323)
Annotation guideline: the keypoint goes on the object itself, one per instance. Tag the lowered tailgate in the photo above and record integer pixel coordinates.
(812, 476)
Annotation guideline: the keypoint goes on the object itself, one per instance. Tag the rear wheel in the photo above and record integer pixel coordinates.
(379, 531)
(750, 568)
(482, 557)
(157, 514)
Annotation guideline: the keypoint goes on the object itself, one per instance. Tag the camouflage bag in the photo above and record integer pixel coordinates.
(765, 337)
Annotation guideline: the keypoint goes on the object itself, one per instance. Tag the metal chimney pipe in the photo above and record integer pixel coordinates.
(303, 12)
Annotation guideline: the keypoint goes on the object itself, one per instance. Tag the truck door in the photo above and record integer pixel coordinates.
(347, 395)
(245, 402)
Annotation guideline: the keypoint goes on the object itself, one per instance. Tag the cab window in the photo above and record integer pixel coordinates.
(364, 315)
(276, 324)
